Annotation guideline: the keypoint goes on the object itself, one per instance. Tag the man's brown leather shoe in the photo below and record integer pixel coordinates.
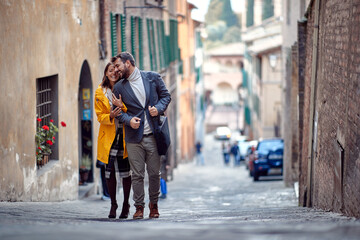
(139, 214)
(154, 213)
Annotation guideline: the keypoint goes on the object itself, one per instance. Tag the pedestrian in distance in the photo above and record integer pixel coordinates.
(235, 151)
(226, 152)
(199, 154)
(111, 149)
(141, 144)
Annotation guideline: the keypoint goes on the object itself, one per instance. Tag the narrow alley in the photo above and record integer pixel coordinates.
(204, 202)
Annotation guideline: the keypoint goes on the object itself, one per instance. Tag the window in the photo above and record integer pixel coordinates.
(114, 44)
(47, 105)
(134, 24)
(118, 38)
(267, 9)
(151, 43)
(250, 13)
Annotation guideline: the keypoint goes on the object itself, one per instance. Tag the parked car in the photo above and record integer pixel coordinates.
(268, 158)
(243, 144)
(250, 151)
(223, 133)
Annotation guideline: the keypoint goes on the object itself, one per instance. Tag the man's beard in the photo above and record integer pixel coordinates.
(125, 73)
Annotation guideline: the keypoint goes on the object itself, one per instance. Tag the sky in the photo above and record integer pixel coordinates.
(202, 5)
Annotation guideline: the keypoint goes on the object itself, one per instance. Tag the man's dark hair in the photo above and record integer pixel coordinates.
(124, 56)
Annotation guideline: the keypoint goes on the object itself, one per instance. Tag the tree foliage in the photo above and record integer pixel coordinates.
(221, 10)
(232, 35)
(222, 24)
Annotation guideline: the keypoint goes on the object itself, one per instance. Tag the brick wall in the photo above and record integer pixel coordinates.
(305, 59)
(336, 184)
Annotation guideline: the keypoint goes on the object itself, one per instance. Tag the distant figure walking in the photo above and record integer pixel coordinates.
(226, 152)
(199, 155)
(235, 151)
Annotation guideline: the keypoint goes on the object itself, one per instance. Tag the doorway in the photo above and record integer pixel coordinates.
(85, 106)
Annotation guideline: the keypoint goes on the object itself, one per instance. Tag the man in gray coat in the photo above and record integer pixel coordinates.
(134, 89)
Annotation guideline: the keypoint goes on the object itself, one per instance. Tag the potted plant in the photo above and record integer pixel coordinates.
(84, 169)
(44, 139)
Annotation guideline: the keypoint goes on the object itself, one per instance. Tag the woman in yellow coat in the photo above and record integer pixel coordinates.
(111, 148)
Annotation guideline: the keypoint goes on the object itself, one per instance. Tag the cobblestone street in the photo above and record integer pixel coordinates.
(204, 202)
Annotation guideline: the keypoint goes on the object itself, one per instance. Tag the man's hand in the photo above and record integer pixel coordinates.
(115, 113)
(153, 111)
(117, 101)
(135, 122)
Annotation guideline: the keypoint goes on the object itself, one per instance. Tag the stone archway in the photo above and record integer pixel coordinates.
(224, 94)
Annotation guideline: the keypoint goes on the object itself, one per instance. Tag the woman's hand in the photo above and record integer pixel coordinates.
(115, 113)
(117, 101)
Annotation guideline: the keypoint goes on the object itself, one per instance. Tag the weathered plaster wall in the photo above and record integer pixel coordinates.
(42, 38)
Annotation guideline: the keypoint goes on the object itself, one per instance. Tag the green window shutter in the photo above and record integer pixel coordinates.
(198, 72)
(245, 78)
(268, 9)
(199, 43)
(247, 115)
(180, 63)
(164, 43)
(149, 44)
(123, 31)
(153, 47)
(172, 42)
(114, 48)
(250, 13)
(177, 51)
(133, 33)
(141, 58)
(167, 50)
(256, 102)
(160, 49)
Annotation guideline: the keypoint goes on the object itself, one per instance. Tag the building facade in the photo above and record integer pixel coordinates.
(293, 12)
(49, 65)
(262, 68)
(60, 58)
(186, 80)
(329, 113)
(223, 80)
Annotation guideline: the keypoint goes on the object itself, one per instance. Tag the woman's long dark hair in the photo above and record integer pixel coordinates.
(105, 81)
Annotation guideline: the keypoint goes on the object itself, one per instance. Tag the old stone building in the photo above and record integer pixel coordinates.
(51, 65)
(187, 80)
(329, 100)
(223, 80)
(262, 68)
(293, 12)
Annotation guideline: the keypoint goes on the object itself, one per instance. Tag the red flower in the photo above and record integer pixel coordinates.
(51, 120)
(38, 119)
(49, 142)
(45, 127)
(63, 124)
(37, 153)
(54, 138)
(39, 148)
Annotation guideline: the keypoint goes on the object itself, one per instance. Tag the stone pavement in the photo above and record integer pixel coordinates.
(204, 202)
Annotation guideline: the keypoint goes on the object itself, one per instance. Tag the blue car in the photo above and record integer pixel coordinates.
(268, 158)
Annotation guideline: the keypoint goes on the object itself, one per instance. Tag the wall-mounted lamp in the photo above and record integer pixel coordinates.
(272, 60)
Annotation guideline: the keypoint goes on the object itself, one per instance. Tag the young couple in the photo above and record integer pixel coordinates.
(126, 143)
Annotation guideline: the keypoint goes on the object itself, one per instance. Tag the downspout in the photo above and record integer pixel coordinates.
(310, 177)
